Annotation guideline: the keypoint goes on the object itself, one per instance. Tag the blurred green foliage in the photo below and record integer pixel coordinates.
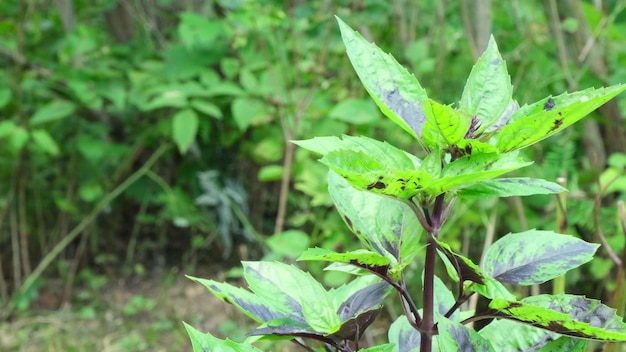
(89, 90)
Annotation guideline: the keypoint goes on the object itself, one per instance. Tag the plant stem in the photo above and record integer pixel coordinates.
(429, 295)
(427, 327)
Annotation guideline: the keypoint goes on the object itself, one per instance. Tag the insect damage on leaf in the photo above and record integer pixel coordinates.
(549, 105)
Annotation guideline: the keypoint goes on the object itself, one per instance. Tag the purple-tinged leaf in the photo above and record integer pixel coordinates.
(248, 303)
(454, 336)
(405, 337)
(397, 93)
(353, 329)
(534, 257)
(363, 300)
(286, 327)
(295, 290)
(565, 314)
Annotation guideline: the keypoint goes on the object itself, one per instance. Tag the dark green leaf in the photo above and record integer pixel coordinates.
(534, 257)
(569, 315)
(396, 92)
(454, 336)
(488, 90)
(509, 187)
(548, 116)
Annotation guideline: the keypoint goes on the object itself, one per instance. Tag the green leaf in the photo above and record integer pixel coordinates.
(184, 129)
(454, 336)
(54, 111)
(534, 257)
(355, 111)
(5, 96)
(18, 138)
(444, 125)
(376, 173)
(294, 290)
(90, 191)
(384, 152)
(569, 315)
(548, 116)
(363, 258)
(206, 108)
(508, 335)
(382, 224)
(405, 337)
(44, 141)
(250, 111)
(397, 93)
(488, 90)
(371, 165)
(288, 243)
(510, 187)
(207, 342)
(474, 168)
(491, 289)
(270, 173)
